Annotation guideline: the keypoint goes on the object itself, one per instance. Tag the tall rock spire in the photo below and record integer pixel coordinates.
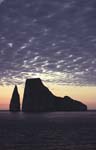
(15, 101)
(37, 97)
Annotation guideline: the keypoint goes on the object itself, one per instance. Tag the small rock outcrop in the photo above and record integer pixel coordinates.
(15, 101)
(38, 98)
(68, 104)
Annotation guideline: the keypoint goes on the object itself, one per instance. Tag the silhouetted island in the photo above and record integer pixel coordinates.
(38, 98)
(15, 101)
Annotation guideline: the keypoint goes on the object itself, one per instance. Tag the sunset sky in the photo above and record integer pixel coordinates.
(51, 39)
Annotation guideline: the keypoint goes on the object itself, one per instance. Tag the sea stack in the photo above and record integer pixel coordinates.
(15, 101)
(38, 98)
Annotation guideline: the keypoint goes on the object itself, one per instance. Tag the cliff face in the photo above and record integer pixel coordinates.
(38, 98)
(15, 101)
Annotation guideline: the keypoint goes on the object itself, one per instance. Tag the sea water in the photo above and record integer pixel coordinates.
(48, 131)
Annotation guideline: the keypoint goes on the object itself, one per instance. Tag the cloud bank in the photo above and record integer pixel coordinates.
(54, 40)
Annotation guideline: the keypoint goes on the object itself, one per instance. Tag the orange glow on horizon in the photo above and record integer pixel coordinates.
(84, 94)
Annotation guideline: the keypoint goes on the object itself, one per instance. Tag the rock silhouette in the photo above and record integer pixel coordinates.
(38, 98)
(68, 104)
(15, 101)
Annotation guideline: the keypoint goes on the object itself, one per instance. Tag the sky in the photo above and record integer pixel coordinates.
(51, 39)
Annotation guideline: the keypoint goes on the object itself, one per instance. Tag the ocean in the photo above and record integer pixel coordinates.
(48, 131)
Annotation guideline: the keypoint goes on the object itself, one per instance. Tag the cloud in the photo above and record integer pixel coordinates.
(54, 40)
(1, 1)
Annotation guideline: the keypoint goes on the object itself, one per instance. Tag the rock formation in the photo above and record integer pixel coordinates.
(15, 101)
(68, 104)
(38, 98)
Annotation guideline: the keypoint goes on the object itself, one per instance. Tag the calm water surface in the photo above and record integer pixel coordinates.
(48, 131)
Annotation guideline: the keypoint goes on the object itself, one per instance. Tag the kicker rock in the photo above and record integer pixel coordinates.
(15, 101)
(38, 98)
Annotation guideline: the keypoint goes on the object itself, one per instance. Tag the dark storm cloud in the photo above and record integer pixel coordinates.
(51, 39)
